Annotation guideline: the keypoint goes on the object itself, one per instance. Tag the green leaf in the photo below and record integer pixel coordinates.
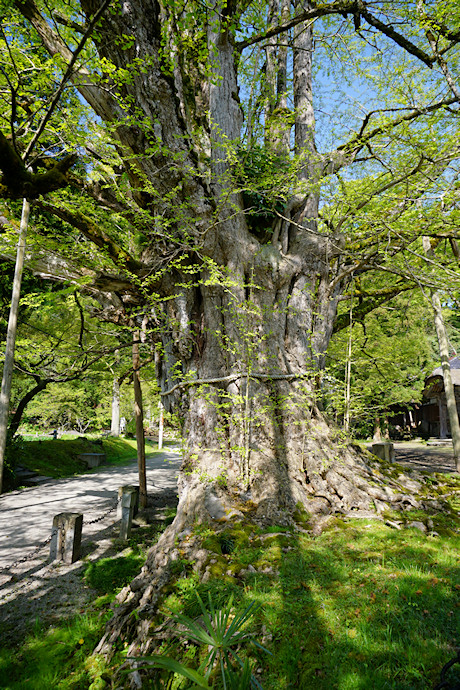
(175, 667)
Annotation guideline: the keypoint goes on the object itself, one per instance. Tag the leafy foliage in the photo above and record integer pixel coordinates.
(221, 632)
(393, 351)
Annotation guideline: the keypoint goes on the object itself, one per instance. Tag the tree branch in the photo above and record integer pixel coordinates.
(21, 406)
(357, 142)
(338, 7)
(103, 103)
(67, 75)
(354, 7)
(367, 306)
(65, 21)
(95, 234)
(388, 31)
(17, 182)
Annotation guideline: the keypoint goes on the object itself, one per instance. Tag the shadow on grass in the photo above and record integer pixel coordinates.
(364, 607)
(361, 607)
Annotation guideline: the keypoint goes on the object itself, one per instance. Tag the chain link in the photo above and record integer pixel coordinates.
(104, 515)
(30, 555)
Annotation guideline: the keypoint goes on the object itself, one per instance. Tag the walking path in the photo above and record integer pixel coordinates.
(26, 515)
(417, 456)
(36, 589)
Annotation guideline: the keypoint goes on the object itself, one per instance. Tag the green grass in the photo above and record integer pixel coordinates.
(57, 657)
(60, 458)
(110, 574)
(361, 607)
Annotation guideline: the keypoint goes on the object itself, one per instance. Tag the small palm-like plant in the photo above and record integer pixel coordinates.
(222, 632)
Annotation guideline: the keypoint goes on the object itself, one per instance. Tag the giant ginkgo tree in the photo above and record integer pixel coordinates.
(244, 160)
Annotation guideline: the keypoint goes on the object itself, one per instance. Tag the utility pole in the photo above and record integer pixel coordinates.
(443, 343)
(447, 376)
(346, 415)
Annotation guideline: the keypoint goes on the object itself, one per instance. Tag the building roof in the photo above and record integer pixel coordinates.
(437, 373)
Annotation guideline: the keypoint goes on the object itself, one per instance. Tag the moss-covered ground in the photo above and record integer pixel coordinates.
(362, 606)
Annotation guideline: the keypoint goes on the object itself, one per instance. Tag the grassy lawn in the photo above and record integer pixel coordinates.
(60, 458)
(361, 607)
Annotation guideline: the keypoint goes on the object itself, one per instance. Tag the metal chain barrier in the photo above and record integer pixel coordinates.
(46, 542)
(30, 555)
(12, 594)
(104, 515)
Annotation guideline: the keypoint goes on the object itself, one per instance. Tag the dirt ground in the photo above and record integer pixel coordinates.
(425, 458)
(44, 592)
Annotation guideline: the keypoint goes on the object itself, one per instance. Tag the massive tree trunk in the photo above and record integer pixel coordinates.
(256, 445)
(253, 423)
(249, 321)
(249, 301)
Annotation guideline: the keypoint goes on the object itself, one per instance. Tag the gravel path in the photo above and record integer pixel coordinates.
(425, 458)
(36, 588)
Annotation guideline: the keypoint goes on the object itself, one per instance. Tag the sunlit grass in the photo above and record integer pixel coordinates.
(60, 458)
(361, 607)
(55, 657)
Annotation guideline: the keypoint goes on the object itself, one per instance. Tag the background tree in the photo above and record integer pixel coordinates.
(393, 351)
(70, 357)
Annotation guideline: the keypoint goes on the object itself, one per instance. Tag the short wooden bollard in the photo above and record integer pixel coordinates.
(66, 537)
(121, 490)
(128, 501)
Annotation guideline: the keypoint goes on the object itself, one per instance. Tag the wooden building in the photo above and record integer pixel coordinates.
(433, 419)
(429, 418)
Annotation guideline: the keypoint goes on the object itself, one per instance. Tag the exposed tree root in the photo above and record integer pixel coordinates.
(358, 486)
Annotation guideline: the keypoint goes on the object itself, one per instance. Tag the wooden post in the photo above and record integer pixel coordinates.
(139, 413)
(346, 413)
(161, 425)
(11, 335)
(442, 418)
(66, 540)
(124, 489)
(384, 451)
